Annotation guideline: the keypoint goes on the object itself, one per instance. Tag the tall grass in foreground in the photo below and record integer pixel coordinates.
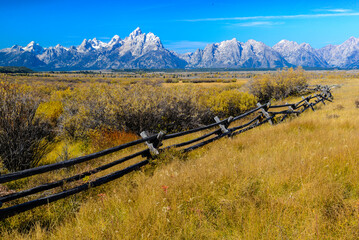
(297, 180)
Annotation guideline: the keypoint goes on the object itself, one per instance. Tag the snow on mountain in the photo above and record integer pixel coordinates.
(258, 55)
(34, 47)
(22, 56)
(300, 54)
(15, 49)
(145, 50)
(52, 53)
(85, 46)
(326, 52)
(345, 55)
(139, 43)
(96, 44)
(115, 42)
(226, 53)
(193, 59)
(234, 54)
(135, 51)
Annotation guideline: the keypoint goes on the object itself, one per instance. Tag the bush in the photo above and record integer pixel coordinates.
(133, 108)
(279, 85)
(231, 103)
(24, 138)
(50, 111)
(157, 108)
(138, 107)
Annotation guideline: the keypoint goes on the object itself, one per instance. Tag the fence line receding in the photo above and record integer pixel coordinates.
(262, 114)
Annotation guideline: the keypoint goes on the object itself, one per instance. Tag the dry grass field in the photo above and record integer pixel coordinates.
(295, 180)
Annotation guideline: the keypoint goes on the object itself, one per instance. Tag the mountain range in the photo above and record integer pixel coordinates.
(146, 51)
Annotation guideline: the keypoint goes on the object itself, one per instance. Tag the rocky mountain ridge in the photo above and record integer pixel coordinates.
(146, 51)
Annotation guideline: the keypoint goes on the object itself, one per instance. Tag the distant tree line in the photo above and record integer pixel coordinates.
(15, 70)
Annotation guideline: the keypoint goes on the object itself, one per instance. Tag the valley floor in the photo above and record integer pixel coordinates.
(296, 180)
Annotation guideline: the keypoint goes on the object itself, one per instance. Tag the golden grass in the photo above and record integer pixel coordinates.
(296, 180)
(237, 84)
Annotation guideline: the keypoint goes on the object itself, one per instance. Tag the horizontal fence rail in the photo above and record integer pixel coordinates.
(262, 114)
(50, 167)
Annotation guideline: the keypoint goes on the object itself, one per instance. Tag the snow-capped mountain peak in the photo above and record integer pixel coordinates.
(30, 45)
(253, 42)
(58, 46)
(300, 54)
(285, 44)
(353, 39)
(284, 41)
(33, 47)
(85, 46)
(306, 46)
(114, 41)
(115, 38)
(351, 42)
(16, 48)
(345, 55)
(139, 43)
(152, 37)
(135, 33)
(97, 44)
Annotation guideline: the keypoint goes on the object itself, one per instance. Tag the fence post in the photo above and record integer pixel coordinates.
(326, 93)
(225, 125)
(330, 93)
(264, 111)
(320, 99)
(292, 110)
(153, 145)
(307, 103)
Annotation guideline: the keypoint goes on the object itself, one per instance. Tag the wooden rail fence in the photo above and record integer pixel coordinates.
(263, 113)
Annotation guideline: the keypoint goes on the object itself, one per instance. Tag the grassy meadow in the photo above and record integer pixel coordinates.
(294, 180)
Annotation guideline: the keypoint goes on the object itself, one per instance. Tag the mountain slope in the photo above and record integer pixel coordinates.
(138, 50)
(300, 54)
(234, 54)
(145, 50)
(345, 55)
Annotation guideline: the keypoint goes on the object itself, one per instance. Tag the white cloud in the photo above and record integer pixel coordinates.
(335, 10)
(256, 24)
(298, 16)
(339, 10)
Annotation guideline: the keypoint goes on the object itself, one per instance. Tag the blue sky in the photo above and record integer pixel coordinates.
(182, 25)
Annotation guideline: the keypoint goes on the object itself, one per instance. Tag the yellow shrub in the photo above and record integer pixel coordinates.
(278, 85)
(50, 111)
(231, 102)
(63, 95)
